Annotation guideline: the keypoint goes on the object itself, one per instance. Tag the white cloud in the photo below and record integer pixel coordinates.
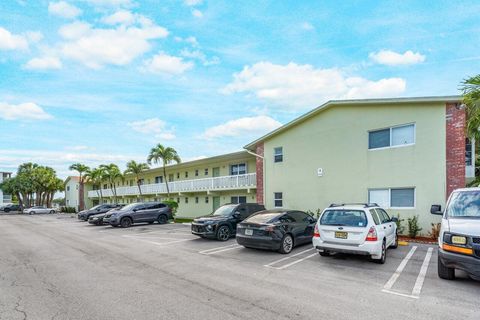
(392, 58)
(166, 64)
(155, 127)
(43, 63)
(22, 111)
(197, 13)
(252, 126)
(193, 2)
(76, 148)
(63, 9)
(199, 55)
(110, 3)
(307, 26)
(96, 47)
(120, 17)
(10, 41)
(299, 87)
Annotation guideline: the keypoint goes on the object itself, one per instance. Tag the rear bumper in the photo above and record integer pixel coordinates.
(470, 265)
(367, 248)
(258, 242)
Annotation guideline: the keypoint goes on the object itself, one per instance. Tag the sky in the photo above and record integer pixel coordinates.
(102, 81)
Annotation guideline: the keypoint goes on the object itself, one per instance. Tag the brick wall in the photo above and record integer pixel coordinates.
(259, 164)
(455, 147)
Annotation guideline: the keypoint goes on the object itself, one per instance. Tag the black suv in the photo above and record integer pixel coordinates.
(222, 223)
(101, 208)
(10, 207)
(139, 212)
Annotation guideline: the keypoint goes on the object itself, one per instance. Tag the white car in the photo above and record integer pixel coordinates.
(39, 209)
(459, 237)
(364, 229)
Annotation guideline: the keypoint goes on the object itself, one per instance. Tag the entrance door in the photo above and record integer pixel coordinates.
(216, 172)
(216, 203)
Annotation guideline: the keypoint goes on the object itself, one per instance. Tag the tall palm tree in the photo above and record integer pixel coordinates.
(136, 169)
(471, 98)
(96, 177)
(165, 155)
(112, 173)
(80, 168)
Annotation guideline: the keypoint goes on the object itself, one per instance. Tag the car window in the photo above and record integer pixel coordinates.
(266, 217)
(157, 206)
(287, 218)
(375, 216)
(300, 216)
(465, 204)
(383, 215)
(344, 217)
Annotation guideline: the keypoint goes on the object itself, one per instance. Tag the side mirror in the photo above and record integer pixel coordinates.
(135, 210)
(436, 209)
(394, 219)
(236, 214)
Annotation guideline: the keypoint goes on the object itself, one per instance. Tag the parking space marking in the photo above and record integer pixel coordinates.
(160, 243)
(271, 264)
(399, 270)
(423, 272)
(220, 249)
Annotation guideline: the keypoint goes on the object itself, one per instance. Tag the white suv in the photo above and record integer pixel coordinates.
(364, 229)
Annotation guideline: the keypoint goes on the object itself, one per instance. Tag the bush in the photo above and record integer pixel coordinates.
(400, 227)
(315, 214)
(435, 232)
(65, 209)
(413, 228)
(172, 204)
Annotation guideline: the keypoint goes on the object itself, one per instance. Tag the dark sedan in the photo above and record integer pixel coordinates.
(101, 208)
(280, 230)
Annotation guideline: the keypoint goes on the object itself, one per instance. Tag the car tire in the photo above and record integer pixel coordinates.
(52, 211)
(445, 272)
(286, 245)
(32, 212)
(223, 233)
(395, 244)
(162, 219)
(383, 258)
(324, 253)
(126, 222)
(6, 210)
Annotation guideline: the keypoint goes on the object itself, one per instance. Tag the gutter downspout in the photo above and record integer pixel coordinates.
(264, 171)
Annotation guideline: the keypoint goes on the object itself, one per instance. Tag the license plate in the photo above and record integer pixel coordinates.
(248, 232)
(341, 234)
(459, 240)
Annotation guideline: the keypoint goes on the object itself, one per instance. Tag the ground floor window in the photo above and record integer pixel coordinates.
(206, 199)
(278, 199)
(393, 197)
(238, 199)
(196, 199)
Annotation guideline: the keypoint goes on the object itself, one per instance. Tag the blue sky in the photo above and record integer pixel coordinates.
(100, 81)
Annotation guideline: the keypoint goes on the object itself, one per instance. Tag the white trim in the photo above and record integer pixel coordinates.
(391, 135)
(275, 199)
(390, 197)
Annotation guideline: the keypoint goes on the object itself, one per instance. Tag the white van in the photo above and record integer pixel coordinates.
(459, 239)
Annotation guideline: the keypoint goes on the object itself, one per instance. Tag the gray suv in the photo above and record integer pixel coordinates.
(139, 212)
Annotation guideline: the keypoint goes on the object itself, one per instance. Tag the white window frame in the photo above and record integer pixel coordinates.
(391, 135)
(275, 200)
(238, 164)
(390, 197)
(275, 155)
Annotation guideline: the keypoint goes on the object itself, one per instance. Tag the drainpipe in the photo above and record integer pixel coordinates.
(264, 171)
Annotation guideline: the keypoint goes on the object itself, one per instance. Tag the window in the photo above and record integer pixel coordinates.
(196, 173)
(236, 169)
(178, 200)
(178, 175)
(68, 188)
(383, 215)
(186, 199)
(196, 199)
(206, 171)
(206, 199)
(131, 183)
(159, 179)
(278, 154)
(392, 137)
(76, 186)
(393, 198)
(468, 152)
(105, 186)
(141, 181)
(186, 174)
(375, 216)
(238, 199)
(278, 199)
(347, 218)
(170, 177)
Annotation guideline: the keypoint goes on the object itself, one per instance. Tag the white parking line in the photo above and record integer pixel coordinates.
(399, 270)
(421, 276)
(161, 243)
(286, 258)
(220, 249)
(296, 261)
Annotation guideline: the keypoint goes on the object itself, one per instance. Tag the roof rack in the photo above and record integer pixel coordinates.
(365, 205)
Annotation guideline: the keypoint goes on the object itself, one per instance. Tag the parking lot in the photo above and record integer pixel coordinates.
(56, 267)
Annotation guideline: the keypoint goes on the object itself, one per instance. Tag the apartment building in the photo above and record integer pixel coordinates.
(5, 198)
(72, 184)
(198, 186)
(404, 154)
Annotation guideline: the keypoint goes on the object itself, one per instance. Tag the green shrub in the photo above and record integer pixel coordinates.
(413, 228)
(172, 205)
(400, 226)
(315, 214)
(66, 209)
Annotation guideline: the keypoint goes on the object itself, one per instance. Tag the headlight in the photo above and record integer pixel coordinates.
(209, 227)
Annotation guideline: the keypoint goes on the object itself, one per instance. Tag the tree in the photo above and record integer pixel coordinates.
(136, 169)
(96, 176)
(471, 98)
(112, 173)
(166, 156)
(80, 168)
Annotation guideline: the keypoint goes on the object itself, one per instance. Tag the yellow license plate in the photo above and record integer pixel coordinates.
(341, 234)
(459, 240)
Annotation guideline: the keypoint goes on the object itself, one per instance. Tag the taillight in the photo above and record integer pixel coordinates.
(269, 228)
(316, 233)
(372, 235)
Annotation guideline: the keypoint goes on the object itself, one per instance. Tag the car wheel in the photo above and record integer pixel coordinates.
(223, 233)
(287, 244)
(32, 212)
(445, 272)
(6, 210)
(383, 258)
(324, 253)
(126, 222)
(162, 219)
(395, 244)
(52, 212)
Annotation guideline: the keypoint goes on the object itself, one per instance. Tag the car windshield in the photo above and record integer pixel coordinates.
(266, 217)
(96, 207)
(464, 205)
(347, 218)
(130, 207)
(224, 210)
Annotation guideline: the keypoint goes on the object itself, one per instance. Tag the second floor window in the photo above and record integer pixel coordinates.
(186, 174)
(236, 169)
(170, 177)
(206, 171)
(159, 179)
(392, 137)
(278, 154)
(468, 152)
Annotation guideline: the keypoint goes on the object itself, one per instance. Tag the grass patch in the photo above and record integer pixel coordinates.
(181, 220)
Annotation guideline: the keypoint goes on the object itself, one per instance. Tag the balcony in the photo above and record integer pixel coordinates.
(244, 181)
(7, 198)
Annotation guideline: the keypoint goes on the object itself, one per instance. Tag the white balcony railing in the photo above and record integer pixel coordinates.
(7, 198)
(243, 181)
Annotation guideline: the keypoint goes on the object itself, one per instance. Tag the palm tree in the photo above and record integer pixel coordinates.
(136, 169)
(166, 156)
(80, 168)
(96, 177)
(112, 173)
(471, 98)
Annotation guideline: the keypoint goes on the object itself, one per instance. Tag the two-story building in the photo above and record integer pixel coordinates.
(198, 186)
(72, 184)
(5, 198)
(404, 154)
